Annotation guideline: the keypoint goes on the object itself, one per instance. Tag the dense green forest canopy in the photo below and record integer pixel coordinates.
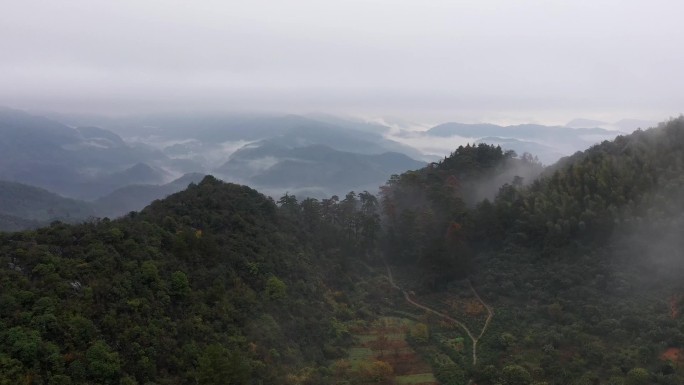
(216, 284)
(428, 213)
(580, 265)
(584, 263)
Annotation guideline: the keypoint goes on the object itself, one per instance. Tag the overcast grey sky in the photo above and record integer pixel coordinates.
(430, 60)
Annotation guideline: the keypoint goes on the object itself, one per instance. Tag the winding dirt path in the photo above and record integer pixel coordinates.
(490, 310)
(474, 339)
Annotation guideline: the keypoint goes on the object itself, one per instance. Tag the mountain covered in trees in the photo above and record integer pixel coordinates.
(484, 267)
(216, 284)
(584, 264)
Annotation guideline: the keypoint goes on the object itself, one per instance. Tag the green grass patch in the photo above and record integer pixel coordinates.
(357, 355)
(363, 338)
(395, 336)
(415, 379)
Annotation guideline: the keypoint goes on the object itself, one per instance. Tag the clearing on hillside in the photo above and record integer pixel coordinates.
(385, 340)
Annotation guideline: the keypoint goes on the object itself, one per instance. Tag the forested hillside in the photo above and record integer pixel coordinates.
(587, 263)
(214, 285)
(583, 266)
(427, 213)
(481, 268)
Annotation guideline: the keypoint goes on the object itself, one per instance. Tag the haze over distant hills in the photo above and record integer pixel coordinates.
(118, 174)
(118, 165)
(23, 206)
(312, 170)
(548, 143)
(88, 162)
(626, 125)
(80, 163)
(136, 196)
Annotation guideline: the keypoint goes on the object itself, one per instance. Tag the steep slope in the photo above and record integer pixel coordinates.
(427, 212)
(591, 193)
(584, 265)
(594, 250)
(213, 285)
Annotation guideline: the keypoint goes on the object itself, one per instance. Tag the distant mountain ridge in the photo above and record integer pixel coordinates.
(89, 158)
(75, 162)
(23, 206)
(91, 161)
(520, 130)
(314, 168)
(211, 129)
(136, 197)
(548, 143)
(32, 205)
(625, 125)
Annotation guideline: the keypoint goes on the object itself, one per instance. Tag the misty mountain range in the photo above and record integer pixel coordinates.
(313, 170)
(23, 206)
(548, 143)
(95, 166)
(82, 163)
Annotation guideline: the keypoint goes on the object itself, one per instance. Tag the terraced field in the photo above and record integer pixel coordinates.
(385, 340)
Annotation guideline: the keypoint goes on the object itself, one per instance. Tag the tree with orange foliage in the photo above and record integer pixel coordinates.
(381, 343)
(453, 232)
(377, 372)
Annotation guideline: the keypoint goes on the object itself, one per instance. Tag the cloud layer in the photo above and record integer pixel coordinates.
(467, 60)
